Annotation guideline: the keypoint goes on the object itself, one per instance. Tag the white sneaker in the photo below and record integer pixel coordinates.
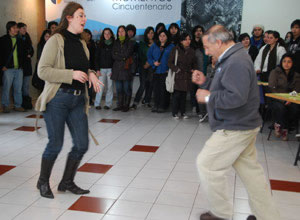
(185, 116)
(175, 117)
(204, 118)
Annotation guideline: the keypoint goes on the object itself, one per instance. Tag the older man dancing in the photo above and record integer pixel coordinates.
(232, 102)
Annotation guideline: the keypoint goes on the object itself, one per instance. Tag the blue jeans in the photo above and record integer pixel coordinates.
(105, 79)
(12, 77)
(66, 108)
(25, 88)
(124, 87)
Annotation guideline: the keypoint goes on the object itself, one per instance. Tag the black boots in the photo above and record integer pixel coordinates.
(43, 182)
(127, 103)
(120, 103)
(67, 182)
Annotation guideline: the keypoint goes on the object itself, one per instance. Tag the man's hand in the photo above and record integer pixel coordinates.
(198, 77)
(200, 95)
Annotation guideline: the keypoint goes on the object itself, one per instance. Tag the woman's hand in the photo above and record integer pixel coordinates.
(156, 63)
(93, 80)
(80, 76)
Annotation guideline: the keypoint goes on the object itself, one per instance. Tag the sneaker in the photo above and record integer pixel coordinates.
(284, 134)
(277, 130)
(185, 116)
(98, 107)
(6, 109)
(176, 116)
(251, 217)
(204, 118)
(19, 109)
(106, 107)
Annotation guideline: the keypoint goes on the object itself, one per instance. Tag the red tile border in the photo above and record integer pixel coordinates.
(144, 148)
(288, 186)
(5, 168)
(92, 204)
(34, 116)
(26, 128)
(95, 168)
(109, 120)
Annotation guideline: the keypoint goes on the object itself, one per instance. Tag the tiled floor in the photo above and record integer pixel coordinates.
(142, 169)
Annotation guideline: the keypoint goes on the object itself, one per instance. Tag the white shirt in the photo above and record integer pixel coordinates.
(258, 60)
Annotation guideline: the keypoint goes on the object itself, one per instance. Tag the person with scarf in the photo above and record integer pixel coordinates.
(269, 56)
(103, 64)
(121, 71)
(284, 79)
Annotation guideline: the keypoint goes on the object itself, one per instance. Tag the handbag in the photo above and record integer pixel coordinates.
(170, 80)
(128, 63)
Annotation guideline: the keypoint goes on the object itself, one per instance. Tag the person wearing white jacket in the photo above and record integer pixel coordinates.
(269, 56)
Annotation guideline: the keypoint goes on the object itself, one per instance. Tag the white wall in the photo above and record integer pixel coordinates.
(273, 14)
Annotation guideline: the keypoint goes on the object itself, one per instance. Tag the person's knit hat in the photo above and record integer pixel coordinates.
(259, 26)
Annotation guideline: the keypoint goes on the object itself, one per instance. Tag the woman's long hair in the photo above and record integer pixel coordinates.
(42, 39)
(158, 43)
(126, 35)
(148, 29)
(276, 35)
(69, 10)
(102, 39)
(290, 75)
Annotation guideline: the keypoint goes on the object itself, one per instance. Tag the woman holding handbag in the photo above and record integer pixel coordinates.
(121, 71)
(186, 63)
(158, 55)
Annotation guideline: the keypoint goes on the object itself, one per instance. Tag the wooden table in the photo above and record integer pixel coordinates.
(260, 83)
(294, 99)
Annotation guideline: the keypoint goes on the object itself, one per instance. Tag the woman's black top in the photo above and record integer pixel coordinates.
(75, 58)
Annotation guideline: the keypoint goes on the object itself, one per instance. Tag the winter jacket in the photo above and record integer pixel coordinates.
(186, 62)
(120, 53)
(234, 100)
(278, 81)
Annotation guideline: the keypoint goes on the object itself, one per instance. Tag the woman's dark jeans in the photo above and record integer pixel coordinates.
(66, 108)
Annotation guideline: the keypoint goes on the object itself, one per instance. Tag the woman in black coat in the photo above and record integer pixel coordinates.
(121, 72)
(251, 50)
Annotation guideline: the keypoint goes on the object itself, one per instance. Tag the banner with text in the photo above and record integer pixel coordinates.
(112, 13)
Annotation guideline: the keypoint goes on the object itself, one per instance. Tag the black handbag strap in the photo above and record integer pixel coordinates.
(161, 54)
(11, 54)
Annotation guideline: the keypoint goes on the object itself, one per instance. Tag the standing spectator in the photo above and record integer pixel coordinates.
(202, 61)
(64, 65)
(158, 55)
(186, 63)
(121, 72)
(174, 33)
(27, 66)
(52, 25)
(36, 81)
(257, 36)
(251, 50)
(284, 79)
(88, 37)
(12, 58)
(104, 64)
(288, 38)
(159, 27)
(232, 102)
(294, 46)
(269, 56)
(145, 74)
(266, 37)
